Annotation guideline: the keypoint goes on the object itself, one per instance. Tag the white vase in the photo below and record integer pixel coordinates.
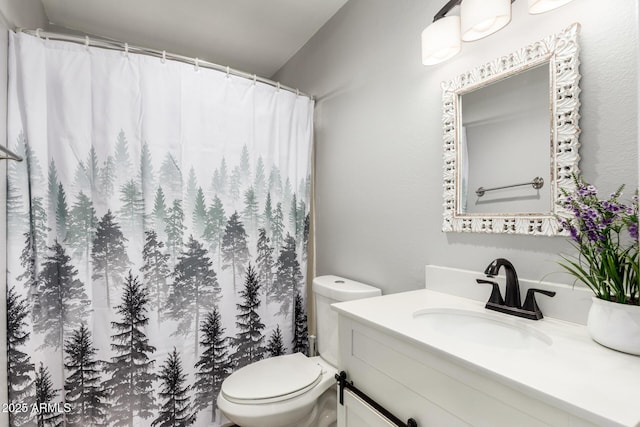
(615, 325)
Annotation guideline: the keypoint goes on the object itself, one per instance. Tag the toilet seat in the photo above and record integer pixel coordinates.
(272, 380)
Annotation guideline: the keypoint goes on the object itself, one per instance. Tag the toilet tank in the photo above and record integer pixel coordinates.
(326, 291)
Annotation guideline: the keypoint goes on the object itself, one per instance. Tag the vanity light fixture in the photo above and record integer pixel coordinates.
(442, 39)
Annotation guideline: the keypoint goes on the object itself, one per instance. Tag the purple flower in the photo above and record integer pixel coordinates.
(587, 190)
(596, 227)
(594, 222)
(592, 213)
(612, 207)
(574, 233)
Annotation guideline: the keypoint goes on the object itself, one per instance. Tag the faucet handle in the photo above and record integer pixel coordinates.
(496, 297)
(530, 303)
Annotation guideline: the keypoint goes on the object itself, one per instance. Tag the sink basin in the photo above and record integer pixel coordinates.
(470, 327)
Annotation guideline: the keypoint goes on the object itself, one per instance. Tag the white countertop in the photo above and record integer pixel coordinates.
(573, 373)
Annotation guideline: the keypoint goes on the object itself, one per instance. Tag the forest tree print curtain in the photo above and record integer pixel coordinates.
(157, 234)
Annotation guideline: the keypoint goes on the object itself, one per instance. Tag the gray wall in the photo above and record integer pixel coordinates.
(379, 137)
(13, 14)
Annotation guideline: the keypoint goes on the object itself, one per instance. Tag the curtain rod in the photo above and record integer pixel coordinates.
(125, 47)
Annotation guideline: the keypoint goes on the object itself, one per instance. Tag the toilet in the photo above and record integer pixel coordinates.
(295, 390)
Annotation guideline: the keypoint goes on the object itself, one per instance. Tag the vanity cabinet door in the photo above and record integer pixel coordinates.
(357, 413)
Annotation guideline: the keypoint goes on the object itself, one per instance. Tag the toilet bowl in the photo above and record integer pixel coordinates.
(276, 392)
(294, 390)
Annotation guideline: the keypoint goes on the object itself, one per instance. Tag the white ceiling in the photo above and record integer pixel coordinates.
(256, 36)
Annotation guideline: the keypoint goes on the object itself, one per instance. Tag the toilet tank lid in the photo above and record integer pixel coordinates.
(342, 289)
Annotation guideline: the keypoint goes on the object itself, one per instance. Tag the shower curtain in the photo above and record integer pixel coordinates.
(157, 234)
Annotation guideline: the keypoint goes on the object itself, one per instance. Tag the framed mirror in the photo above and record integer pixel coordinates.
(511, 131)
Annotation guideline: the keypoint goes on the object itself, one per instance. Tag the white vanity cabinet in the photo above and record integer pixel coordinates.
(430, 386)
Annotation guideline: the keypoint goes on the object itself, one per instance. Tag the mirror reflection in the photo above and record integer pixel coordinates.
(505, 145)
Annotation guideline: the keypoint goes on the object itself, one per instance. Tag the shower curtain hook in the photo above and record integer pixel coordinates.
(126, 49)
(86, 42)
(278, 87)
(228, 71)
(164, 56)
(255, 79)
(38, 32)
(297, 92)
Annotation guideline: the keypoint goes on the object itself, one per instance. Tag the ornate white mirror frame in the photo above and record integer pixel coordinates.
(560, 51)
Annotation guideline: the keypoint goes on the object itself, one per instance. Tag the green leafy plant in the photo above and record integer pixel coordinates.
(605, 233)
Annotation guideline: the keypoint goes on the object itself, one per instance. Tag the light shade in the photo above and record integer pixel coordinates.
(479, 18)
(441, 40)
(540, 6)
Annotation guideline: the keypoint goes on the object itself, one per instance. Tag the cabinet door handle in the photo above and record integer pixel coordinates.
(341, 378)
